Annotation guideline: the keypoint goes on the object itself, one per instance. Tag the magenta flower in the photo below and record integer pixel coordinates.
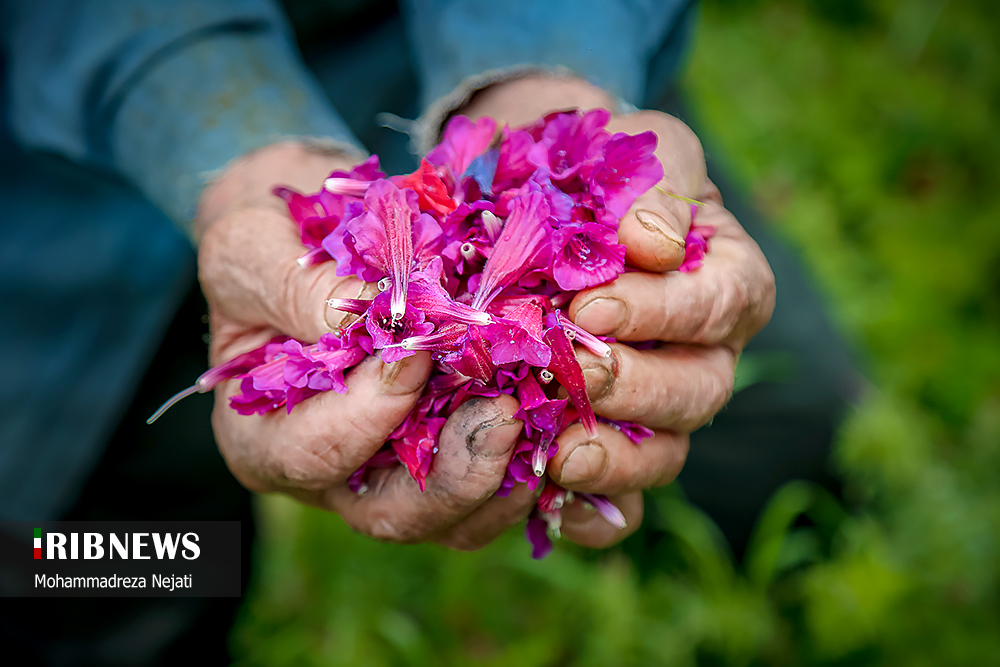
(383, 237)
(586, 255)
(353, 183)
(448, 338)
(518, 337)
(629, 168)
(523, 245)
(567, 371)
(695, 246)
(319, 214)
(462, 142)
(386, 329)
(513, 167)
(236, 366)
(634, 432)
(417, 447)
(543, 419)
(358, 481)
(569, 142)
(536, 533)
(597, 346)
(427, 294)
(474, 358)
(606, 508)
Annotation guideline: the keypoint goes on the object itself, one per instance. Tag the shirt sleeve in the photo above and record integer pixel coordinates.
(164, 93)
(462, 46)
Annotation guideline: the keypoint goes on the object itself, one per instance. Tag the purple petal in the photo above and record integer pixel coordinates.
(586, 256)
(523, 245)
(536, 532)
(567, 370)
(629, 169)
(462, 142)
(695, 247)
(607, 509)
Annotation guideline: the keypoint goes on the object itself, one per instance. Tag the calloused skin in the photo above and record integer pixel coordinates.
(255, 290)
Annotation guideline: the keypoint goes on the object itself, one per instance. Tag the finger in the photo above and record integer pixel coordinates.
(727, 300)
(324, 439)
(490, 519)
(586, 527)
(678, 387)
(655, 227)
(611, 463)
(474, 448)
(247, 264)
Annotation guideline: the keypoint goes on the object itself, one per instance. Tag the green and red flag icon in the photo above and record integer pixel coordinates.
(38, 543)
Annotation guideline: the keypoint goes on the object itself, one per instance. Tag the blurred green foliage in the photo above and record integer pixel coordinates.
(869, 133)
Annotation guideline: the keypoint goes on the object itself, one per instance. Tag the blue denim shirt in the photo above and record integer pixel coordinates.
(159, 95)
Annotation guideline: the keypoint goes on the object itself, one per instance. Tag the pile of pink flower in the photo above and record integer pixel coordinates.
(475, 255)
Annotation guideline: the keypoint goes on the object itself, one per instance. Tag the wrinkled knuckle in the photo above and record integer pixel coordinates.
(303, 468)
(731, 303)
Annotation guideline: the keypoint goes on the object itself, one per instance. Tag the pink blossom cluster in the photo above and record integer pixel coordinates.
(475, 255)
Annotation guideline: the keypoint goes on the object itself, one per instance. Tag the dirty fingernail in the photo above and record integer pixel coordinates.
(656, 223)
(404, 376)
(602, 316)
(487, 427)
(585, 464)
(599, 382)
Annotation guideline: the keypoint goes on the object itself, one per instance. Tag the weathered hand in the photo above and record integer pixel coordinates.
(700, 320)
(255, 291)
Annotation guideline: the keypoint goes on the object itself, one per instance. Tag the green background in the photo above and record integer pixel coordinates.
(867, 133)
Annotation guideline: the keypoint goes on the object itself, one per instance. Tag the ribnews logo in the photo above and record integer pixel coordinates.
(91, 546)
(121, 559)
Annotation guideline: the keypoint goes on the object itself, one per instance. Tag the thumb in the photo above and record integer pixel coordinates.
(474, 448)
(655, 227)
(247, 265)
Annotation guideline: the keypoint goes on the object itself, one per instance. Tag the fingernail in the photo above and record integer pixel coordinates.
(585, 464)
(403, 377)
(352, 288)
(657, 224)
(489, 431)
(599, 382)
(602, 316)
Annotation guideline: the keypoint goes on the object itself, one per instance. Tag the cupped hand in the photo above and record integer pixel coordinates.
(699, 321)
(255, 291)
